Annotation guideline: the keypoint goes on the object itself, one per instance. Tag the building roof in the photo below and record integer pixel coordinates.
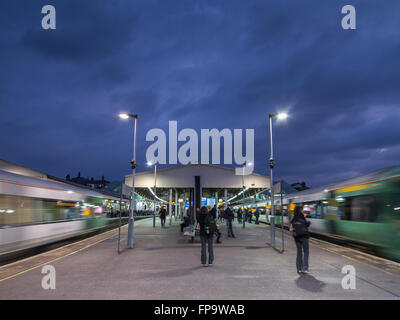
(211, 176)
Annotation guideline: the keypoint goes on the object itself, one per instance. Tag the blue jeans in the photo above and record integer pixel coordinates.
(204, 241)
(302, 260)
(230, 230)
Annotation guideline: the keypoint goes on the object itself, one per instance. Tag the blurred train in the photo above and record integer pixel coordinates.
(38, 211)
(364, 210)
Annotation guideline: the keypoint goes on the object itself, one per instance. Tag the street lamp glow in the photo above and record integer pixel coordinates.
(282, 116)
(250, 164)
(124, 116)
(149, 164)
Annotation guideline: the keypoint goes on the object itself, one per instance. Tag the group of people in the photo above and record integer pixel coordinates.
(247, 215)
(208, 226)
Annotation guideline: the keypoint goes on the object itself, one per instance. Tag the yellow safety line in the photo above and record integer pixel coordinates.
(317, 242)
(56, 259)
(48, 262)
(353, 259)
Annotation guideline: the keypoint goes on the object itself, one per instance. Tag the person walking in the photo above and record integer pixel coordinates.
(229, 218)
(299, 227)
(207, 230)
(163, 214)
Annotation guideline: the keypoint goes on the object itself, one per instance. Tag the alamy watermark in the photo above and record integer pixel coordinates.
(349, 280)
(49, 280)
(188, 153)
(49, 20)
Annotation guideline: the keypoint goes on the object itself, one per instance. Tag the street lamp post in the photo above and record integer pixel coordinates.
(243, 215)
(243, 190)
(155, 191)
(280, 116)
(126, 116)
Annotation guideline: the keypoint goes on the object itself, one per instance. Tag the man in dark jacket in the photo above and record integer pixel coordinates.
(257, 216)
(230, 216)
(213, 212)
(163, 214)
(239, 215)
(299, 226)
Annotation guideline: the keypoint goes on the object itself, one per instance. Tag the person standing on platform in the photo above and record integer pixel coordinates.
(299, 227)
(257, 216)
(207, 230)
(239, 215)
(220, 214)
(250, 214)
(229, 218)
(163, 214)
(213, 212)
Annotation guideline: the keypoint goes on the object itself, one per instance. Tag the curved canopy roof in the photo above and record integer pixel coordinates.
(211, 176)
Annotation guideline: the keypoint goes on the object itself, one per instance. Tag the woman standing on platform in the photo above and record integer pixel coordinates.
(207, 229)
(299, 227)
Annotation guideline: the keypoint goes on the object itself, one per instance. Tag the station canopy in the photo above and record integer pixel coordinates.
(213, 179)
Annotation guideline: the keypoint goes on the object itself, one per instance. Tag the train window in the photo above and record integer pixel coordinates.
(363, 208)
(312, 210)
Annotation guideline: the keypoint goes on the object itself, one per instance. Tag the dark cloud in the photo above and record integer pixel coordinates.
(206, 64)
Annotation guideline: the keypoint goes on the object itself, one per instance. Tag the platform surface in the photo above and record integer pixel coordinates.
(165, 265)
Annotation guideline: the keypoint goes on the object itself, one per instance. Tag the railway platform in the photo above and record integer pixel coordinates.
(165, 265)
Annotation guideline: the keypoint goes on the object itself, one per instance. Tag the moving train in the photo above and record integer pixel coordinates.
(363, 210)
(38, 211)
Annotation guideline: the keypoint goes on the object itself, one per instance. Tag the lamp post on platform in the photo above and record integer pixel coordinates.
(243, 190)
(279, 116)
(155, 191)
(126, 116)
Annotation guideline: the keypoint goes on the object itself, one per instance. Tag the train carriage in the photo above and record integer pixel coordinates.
(364, 210)
(38, 211)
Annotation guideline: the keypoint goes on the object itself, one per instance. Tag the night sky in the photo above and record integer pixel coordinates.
(206, 64)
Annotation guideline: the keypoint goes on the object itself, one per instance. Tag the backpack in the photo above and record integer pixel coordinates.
(210, 226)
(299, 228)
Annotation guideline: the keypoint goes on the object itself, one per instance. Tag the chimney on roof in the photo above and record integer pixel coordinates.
(102, 178)
(79, 174)
(68, 177)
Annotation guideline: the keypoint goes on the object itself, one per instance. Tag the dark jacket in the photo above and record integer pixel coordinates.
(202, 221)
(213, 211)
(229, 214)
(163, 213)
(306, 223)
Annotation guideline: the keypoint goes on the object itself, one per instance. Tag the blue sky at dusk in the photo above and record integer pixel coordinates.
(206, 64)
